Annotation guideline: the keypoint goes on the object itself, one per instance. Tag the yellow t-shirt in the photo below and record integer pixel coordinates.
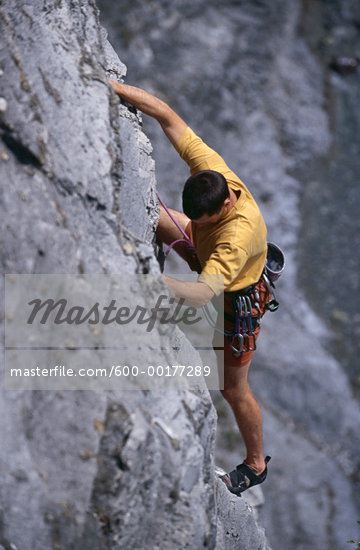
(234, 247)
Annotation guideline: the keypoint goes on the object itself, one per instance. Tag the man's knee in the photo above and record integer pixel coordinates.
(167, 230)
(236, 393)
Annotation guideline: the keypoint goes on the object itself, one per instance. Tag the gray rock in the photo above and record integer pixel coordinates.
(237, 525)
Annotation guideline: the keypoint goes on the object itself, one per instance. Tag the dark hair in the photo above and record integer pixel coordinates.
(204, 193)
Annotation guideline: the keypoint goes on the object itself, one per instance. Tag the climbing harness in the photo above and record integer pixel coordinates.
(246, 305)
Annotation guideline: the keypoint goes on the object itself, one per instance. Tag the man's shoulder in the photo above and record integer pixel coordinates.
(200, 156)
(185, 140)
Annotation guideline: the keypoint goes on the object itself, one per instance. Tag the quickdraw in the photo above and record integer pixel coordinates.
(244, 302)
(244, 334)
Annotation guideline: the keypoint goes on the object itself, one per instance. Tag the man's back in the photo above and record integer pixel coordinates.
(235, 246)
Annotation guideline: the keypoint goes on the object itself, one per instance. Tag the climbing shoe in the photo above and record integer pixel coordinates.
(243, 477)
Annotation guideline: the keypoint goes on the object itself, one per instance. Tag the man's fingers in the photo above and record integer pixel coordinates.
(114, 85)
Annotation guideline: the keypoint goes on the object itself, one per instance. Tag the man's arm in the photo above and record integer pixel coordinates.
(173, 125)
(195, 294)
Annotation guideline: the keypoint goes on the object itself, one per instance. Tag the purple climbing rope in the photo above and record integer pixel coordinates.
(186, 238)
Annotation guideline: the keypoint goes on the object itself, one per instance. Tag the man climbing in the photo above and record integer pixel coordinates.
(225, 224)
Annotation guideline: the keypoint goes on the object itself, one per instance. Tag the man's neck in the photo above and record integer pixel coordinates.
(233, 196)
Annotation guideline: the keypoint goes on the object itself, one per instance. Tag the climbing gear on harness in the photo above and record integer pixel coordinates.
(244, 325)
(243, 477)
(273, 304)
(274, 266)
(275, 262)
(246, 305)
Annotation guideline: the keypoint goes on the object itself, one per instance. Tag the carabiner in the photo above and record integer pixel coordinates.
(272, 305)
(249, 336)
(239, 340)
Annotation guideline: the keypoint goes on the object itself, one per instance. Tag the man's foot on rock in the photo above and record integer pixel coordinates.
(243, 477)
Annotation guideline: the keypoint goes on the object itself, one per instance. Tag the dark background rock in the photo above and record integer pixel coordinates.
(331, 200)
(257, 81)
(82, 469)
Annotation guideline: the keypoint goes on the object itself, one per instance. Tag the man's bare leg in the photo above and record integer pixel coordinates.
(167, 232)
(247, 413)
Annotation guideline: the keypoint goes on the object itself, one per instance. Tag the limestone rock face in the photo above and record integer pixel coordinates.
(82, 469)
